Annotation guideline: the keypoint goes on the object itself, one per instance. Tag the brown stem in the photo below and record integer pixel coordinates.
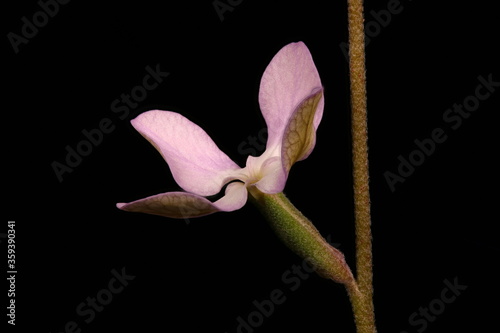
(363, 315)
(364, 295)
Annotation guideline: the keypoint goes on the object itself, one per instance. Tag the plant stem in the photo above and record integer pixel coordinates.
(363, 317)
(362, 303)
(300, 235)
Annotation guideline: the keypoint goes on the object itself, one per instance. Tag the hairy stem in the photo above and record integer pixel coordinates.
(300, 235)
(363, 315)
(364, 301)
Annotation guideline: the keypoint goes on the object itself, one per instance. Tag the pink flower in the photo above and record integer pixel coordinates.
(291, 101)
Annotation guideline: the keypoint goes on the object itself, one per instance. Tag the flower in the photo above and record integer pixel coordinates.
(291, 101)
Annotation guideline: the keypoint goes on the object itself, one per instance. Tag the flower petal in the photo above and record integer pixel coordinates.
(290, 77)
(299, 136)
(235, 197)
(171, 204)
(184, 205)
(196, 163)
(273, 178)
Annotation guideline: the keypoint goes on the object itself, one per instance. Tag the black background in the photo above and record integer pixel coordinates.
(201, 274)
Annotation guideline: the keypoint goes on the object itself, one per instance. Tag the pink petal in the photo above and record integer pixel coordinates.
(274, 177)
(235, 197)
(299, 136)
(188, 205)
(196, 163)
(171, 204)
(290, 77)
